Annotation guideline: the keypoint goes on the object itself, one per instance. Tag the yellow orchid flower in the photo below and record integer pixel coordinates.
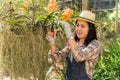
(26, 5)
(67, 14)
(52, 6)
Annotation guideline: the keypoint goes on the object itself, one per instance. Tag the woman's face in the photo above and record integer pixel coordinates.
(81, 29)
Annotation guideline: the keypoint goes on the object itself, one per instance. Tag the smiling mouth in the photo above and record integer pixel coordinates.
(79, 33)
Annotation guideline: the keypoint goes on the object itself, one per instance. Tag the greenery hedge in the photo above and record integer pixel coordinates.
(108, 66)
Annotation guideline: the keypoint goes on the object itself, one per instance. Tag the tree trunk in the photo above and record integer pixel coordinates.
(85, 4)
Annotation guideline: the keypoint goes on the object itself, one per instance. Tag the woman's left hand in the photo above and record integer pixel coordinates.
(69, 34)
(67, 28)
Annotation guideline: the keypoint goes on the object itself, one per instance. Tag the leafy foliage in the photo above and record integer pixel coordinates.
(108, 65)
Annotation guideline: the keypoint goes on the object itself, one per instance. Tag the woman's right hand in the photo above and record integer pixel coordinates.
(51, 36)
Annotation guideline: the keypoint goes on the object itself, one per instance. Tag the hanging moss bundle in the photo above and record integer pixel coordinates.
(25, 55)
(24, 48)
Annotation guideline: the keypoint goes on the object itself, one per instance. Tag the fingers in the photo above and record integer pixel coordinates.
(48, 37)
(61, 22)
(55, 32)
(51, 35)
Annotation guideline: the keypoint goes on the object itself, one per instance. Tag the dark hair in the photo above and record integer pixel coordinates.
(91, 34)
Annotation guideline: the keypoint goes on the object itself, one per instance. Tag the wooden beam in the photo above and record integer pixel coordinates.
(85, 4)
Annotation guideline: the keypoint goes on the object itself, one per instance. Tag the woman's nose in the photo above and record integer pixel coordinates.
(79, 28)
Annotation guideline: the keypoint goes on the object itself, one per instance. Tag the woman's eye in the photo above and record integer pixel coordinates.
(82, 26)
(77, 25)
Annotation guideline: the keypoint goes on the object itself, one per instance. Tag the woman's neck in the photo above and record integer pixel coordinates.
(81, 41)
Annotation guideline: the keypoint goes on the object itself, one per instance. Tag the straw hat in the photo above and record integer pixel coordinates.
(87, 16)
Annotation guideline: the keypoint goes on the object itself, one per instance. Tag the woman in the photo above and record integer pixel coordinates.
(82, 50)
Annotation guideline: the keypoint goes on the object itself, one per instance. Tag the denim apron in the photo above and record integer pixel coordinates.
(75, 70)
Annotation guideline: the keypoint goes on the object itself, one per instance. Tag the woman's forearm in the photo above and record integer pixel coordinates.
(72, 43)
(53, 48)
